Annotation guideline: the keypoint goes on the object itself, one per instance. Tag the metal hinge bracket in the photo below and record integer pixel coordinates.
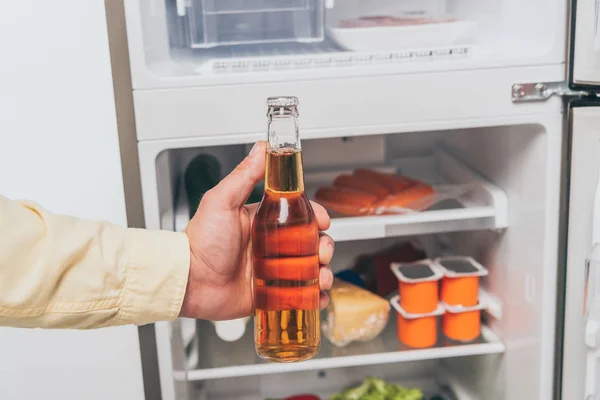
(542, 91)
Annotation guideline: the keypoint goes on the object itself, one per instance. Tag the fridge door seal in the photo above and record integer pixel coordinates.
(583, 75)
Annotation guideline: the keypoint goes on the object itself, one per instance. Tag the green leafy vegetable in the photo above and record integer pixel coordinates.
(378, 389)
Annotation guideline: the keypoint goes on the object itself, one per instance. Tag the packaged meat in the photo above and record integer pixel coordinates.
(353, 314)
(383, 21)
(345, 201)
(363, 184)
(460, 284)
(388, 33)
(394, 183)
(417, 286)
(418, 196)
(371, 192)
(416, 330)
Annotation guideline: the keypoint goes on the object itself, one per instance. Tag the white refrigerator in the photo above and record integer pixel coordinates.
(497, 95)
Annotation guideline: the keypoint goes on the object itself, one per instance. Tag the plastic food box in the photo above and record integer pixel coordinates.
(418, 286)
(462, 324)
(460, 284)
(416, 330)
(405, 33)
(214, 23)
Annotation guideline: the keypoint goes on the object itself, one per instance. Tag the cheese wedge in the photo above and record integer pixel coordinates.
(354, 314)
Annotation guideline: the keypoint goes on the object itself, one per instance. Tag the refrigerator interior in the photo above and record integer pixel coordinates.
(207, 41)
(500, 218)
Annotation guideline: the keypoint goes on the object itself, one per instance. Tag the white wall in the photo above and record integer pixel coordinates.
(59, 147)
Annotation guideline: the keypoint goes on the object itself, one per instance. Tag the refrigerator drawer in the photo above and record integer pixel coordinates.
(213, 23)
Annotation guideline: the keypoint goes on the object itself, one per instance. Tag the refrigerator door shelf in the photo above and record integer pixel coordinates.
(385, 349)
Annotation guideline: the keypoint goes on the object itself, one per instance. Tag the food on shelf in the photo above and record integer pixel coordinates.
(388, 21)
(370, 192)
(460, 284)
(350, 276)
(374, 269)
(300, 397)
(416, 330)
(390, 33)
(417, 286)
(392, 182)
(417, 196)
(353, 314)
(462, 324)
(378, 389)
(346, 201)
(362, 183)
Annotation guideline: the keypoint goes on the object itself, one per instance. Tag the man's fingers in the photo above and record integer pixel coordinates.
(324, 300)
(251, 209)
(233, 191)
(326, 248)
(325, 278)
(322, 216)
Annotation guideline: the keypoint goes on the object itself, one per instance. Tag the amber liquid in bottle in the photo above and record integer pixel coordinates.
(285, 245)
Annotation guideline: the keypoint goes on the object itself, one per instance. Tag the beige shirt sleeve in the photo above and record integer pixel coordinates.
(64, 272)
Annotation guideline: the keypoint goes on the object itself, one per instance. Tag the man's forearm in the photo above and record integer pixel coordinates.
(64, 272)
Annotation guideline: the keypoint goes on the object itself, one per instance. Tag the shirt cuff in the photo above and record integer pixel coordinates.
(156, 277)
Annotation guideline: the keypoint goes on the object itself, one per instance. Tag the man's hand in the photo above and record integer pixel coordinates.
(220, 280)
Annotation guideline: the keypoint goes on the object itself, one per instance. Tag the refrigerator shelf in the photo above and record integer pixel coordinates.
(483, 206)
(429, 386)
(220, 359)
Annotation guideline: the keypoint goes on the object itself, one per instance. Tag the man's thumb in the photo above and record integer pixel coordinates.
(233, 191)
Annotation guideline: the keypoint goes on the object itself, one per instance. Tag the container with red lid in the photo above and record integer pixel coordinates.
(462, 324)
(418, 286)
(460, 284)
(416, 330)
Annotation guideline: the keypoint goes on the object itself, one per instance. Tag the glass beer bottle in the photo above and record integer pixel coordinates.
(285, 245)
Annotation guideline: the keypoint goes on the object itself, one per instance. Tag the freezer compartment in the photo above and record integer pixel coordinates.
(208, 42)
(212, 23)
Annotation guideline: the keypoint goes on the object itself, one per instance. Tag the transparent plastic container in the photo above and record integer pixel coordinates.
(213, 23)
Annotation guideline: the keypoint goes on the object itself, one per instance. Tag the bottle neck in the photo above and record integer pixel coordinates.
(284, 172)
(283, 129)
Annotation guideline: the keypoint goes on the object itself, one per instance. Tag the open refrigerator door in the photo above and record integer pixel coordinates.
(581, 337)
(581, 340)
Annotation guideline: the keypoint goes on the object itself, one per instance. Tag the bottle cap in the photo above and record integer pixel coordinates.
(282, 101)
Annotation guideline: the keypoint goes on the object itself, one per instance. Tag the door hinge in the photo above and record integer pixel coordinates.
(542, 91)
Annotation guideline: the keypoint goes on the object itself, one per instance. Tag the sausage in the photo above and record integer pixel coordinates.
(394, 183)
(407, 198)
(345, 201)
(364, 185)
